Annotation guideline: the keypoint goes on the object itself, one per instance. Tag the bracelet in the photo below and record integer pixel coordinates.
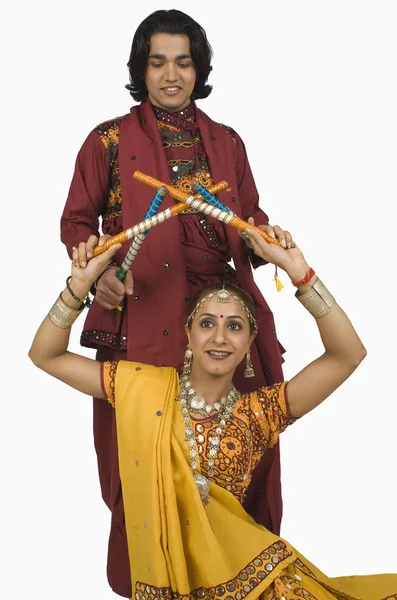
(62, 315)
(318, 300)
(85, 302)
(306, 278)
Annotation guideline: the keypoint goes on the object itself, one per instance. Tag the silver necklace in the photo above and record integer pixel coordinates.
(197, 404)
(187, 395)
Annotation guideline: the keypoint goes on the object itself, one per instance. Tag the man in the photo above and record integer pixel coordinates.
(169, 138)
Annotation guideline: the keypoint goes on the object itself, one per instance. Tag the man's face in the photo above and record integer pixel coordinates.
(170, 73)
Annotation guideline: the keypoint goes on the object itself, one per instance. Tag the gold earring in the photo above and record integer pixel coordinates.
(187, 362)
(249, 367)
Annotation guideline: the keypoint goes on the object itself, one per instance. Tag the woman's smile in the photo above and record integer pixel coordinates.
(218, 354)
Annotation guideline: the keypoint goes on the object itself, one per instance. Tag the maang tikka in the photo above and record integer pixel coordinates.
(224, 296)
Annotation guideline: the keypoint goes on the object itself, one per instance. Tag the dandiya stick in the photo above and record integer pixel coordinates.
(153, 209)
(140, 238)
(228, 218)
(178, 194)
(147, 224)
(141, 227)
(191, 202)
(209, 197)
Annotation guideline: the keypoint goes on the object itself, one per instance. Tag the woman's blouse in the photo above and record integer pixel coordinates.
(254, 425)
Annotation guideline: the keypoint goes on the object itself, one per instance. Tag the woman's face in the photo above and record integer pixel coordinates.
(219, 338)
(170, 74)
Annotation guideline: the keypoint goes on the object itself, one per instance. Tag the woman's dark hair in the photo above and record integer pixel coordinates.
(173, 22)
(230, 287)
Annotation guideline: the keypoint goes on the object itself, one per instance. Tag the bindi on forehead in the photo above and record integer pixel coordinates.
(215, 316)
(229, 302)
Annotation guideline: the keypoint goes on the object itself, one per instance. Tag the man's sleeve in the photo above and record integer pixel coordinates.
(88, 193)
(249, 197)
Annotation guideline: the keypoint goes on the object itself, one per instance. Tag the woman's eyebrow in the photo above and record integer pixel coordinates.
(216, 316)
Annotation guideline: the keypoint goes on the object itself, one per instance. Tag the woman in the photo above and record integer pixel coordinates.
(188, 445)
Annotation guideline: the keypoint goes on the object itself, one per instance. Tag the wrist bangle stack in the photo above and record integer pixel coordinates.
(62, 315)
(318, 300)
(86, 301)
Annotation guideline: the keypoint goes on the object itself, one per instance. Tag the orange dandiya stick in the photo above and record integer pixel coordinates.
(189, 200)
(150, 222)
(171, 190)
(141, 227)
(208, 195)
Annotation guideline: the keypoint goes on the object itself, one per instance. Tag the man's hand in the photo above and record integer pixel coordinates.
(110, 291)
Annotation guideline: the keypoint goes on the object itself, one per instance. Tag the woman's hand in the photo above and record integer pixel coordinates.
(84, 277)
(291, 260)
(85, 250)
(274, 231)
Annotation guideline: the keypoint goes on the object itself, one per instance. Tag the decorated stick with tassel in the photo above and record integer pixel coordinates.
(140, 238)
(209, 196)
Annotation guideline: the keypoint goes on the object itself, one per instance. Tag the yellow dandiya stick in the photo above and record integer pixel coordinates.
(228, 218)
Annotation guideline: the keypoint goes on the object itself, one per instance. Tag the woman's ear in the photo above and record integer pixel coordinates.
(252, 337)
(187, 331)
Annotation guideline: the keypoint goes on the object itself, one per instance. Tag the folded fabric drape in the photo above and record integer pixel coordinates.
(179, 548)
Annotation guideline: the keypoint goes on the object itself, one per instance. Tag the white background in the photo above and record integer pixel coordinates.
(311, 88)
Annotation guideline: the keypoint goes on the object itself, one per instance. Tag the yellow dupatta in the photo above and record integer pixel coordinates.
(177, 547)
(175, 543)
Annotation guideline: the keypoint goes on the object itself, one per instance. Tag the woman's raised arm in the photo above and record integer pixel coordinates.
(50, 344)
(343, 349)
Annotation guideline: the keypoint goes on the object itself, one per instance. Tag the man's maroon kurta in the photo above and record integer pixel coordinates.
(169, 268)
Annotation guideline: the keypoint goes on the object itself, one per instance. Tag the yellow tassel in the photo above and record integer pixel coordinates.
(119, 308)
(279, 284)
